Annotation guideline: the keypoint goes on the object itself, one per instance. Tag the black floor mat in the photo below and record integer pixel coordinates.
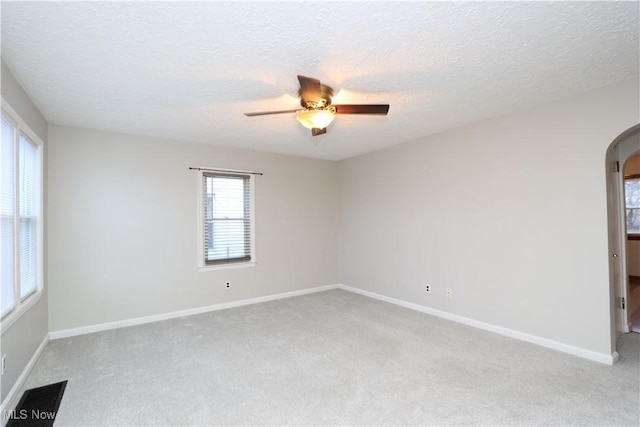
(38, 406)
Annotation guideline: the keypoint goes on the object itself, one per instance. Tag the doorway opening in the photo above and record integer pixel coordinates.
(631, 177)
(620, 151)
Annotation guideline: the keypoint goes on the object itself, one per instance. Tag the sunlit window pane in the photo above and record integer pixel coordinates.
(7, 213)
(632, 202)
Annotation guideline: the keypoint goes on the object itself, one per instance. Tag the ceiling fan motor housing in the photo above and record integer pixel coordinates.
(323, 100)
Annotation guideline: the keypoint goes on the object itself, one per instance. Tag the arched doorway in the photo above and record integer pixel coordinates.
(623, 147)
(631, 176)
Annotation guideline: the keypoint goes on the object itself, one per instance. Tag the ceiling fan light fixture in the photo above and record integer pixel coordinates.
(318, 112)
(315, 119)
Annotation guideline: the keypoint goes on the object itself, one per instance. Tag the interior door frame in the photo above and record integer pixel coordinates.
(623, 147)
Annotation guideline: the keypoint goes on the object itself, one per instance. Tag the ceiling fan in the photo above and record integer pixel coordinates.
(318, 112)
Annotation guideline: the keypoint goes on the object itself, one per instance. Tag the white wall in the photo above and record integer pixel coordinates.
(123, 226)
(632, 167)
(21, 340)
(510, 213)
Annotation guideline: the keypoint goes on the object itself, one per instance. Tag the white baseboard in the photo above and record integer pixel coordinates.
(608, 359)
(64, 333)
(20, 381)
(604, 358)
(614, 358)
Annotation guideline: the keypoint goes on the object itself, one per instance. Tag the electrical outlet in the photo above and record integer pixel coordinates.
(427, 288)
(4, 363)
(228, 284)
(448, 292)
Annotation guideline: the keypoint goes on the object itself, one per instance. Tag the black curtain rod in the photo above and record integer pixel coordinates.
(224, 170)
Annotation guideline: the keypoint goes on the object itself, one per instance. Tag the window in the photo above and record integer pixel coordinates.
(20, 216)
(227, 227)
(632, 203)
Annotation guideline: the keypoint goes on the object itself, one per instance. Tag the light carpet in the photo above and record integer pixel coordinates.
(331, 358)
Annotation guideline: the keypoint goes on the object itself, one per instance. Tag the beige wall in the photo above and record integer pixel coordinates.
(22, 338)
(123, 227)
(510, 213)
(632, 167)
(633, 257)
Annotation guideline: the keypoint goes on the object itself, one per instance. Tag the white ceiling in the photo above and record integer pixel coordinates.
(188, 70)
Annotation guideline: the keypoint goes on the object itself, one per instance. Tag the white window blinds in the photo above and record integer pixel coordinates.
(227, 218)
(20, 215)
(29, 212)
(8, 213)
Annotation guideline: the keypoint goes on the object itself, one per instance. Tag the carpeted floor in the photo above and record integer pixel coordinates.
(331, 358)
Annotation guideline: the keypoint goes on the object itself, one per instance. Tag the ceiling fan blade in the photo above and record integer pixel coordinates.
(382, 109)
(317, 131)
(264, 113)
(310, 89)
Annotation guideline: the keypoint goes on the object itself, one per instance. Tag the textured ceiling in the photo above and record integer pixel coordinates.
(188, 70)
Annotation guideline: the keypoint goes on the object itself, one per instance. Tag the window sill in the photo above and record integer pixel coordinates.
(16, 314)
(205, 268)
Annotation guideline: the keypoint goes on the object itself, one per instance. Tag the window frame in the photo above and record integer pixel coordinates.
(630, 236)
(23, 304)
(202, 265)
